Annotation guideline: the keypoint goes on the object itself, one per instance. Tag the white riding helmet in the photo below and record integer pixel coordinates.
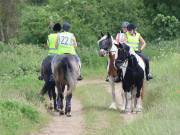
(124, 24)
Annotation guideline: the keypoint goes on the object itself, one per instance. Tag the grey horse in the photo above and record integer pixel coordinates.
(66, 70)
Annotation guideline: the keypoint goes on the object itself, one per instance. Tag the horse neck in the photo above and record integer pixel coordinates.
(113, 52)
(132, 61)
(111, 68)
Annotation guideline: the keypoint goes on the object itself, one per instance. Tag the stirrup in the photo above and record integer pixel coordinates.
(149, 77)
(80, 78)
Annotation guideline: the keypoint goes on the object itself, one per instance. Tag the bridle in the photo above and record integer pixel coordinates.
(122, 61)
(108, 50)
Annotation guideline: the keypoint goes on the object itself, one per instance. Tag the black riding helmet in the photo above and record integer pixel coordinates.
(57, 27)
(131, 27)
(66, 26)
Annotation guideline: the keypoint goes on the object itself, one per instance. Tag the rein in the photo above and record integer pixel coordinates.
(108, 51)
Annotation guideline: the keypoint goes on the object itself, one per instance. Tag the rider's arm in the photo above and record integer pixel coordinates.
(117, 38)
(57, 41)
(74, 41)
(125, 39)
(142, 43)
(47, 44)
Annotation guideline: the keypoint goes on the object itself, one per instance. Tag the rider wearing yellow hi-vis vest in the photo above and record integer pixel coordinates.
(135, 41)
(51, 42)
(66, 44)
(52, 39)
(66, 41)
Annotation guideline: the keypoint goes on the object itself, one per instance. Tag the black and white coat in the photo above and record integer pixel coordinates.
(133, 71)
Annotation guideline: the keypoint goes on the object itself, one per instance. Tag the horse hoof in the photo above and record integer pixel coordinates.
(113, 106)
(56, 110)
(122, 109)
(68, 114)
(61, 112)
(50, 108)
(134, 111)
(128, 111)
(138, 110)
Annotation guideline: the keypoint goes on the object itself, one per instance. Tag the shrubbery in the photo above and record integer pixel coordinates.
(90, 17)
(167, 27)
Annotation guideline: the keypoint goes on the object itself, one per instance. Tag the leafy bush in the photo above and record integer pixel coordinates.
(34, 24)
(87, 18)
(21, 59)
(167, 26)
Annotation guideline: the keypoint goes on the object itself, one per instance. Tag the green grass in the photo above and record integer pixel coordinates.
(98, 118)
(17, 117)
(21, 108)
(159, 49)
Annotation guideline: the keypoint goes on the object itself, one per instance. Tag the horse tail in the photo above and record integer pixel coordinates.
(66, 68)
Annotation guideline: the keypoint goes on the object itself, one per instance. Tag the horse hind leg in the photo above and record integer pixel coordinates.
(60, 99)
(68, 105)
(61, 106)
(49, 90)
(68, 100)
(54, 99)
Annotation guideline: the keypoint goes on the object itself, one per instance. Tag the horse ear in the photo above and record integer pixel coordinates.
(121, 45)
(102, 34)
(108, 35)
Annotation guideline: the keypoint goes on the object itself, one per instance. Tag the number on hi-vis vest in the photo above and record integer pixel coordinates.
(64, 40)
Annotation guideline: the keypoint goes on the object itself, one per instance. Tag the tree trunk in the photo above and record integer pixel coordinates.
(2, 38)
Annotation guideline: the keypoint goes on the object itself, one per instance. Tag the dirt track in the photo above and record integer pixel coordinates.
(62, 125)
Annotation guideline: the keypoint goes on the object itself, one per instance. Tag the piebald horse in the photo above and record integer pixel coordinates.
(108, 48)
(133, 70)
(131, 86)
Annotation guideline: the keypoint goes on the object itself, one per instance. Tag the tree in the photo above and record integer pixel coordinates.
(8, 19)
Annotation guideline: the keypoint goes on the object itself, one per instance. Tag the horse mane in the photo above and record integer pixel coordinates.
(132, 61)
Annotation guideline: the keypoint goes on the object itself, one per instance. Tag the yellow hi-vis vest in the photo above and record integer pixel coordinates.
(133, 41)
(65, 43)
(52, 38)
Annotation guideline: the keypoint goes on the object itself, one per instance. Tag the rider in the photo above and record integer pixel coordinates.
(52, 39)
(135, 40)
(51, 42)
(120, 36)
(120, 39)
(66, 43)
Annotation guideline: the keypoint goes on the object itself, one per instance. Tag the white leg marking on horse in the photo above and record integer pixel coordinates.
(113, 104)
(138, 105)
(134, 90)
(123, 104)
(128, 102)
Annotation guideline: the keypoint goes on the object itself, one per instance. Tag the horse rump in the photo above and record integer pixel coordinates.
(65, 70)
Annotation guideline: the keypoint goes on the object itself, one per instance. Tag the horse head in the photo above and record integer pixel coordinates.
(105, 43)
(123, 54)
